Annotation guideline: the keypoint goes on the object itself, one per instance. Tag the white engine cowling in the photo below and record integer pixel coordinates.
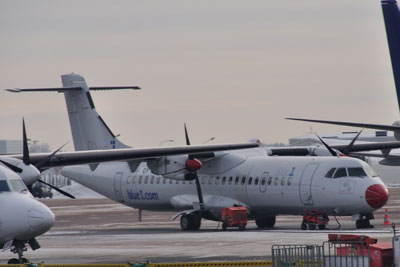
(173, 167)
(30, 174)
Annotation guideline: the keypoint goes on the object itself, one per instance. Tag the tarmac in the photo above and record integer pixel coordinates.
(103, 231)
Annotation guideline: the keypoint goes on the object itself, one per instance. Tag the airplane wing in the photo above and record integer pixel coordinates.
(304, 151)
(384, 127)
(129, 154)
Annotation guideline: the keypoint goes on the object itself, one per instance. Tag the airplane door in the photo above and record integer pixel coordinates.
(263, 182)
(305, 184)
(118, 186)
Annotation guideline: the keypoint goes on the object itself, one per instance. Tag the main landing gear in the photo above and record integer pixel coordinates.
(266, 222)
(19, 247)
(191, 221)
(364, 221)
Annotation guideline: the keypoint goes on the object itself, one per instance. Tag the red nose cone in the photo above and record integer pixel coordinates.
(376, 195)
(193, 164)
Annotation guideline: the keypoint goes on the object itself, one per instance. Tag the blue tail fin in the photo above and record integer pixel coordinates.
(391, 14)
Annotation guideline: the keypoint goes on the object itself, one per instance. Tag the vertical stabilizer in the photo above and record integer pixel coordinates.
(89, 131)
(391, 15)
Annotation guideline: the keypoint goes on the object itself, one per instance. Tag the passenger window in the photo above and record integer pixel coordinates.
(164, 180)
(4, 186)
(223, 180)
(256, 181)
(128, 180)
(283, 181)
(204, 180)
(251, 178)
(133, 179)
(170, 181)
(158, 179)
(146, 179)
(357, 172)
(230, 180)
(243, 180)
(183, 182)
(236, 180)
(216, 180)
(329, 174)
(140, 179)
(263, 181)
(289, 181)
(177, 182)
(276, 181)
(269, 181)
(210, 180)
(341, 172)
(152, 179)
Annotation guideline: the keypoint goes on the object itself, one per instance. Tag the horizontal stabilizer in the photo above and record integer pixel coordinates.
(353, 124)
(62, 89)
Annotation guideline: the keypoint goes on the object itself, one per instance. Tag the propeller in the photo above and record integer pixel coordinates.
(192, 165)
(26, 160)
(344, 151)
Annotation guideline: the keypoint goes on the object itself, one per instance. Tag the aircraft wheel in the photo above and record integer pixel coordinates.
(321, 226)
(13, 261)
(223, 226)
(196, 222)
(186, 222)
(312, 226)
(266, 221)
(303, 226)
(24, 260)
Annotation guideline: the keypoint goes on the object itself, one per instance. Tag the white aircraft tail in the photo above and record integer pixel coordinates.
(89, 131)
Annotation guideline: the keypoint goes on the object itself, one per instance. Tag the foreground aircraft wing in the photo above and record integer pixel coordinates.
(129, 154)
(384, 127)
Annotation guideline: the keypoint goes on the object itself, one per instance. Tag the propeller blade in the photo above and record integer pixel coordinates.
(333, 153)
(25, 158)
(12, 167)
(43, 162)
(57, 189)
(187, 136)
(347, 149)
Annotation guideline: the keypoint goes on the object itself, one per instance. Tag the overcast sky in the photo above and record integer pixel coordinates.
(232, 70)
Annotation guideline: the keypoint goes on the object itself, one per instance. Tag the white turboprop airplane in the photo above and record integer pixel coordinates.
(198, 185)
(22, 217)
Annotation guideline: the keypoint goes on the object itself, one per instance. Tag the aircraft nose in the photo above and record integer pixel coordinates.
(41, 218)
(376, 196)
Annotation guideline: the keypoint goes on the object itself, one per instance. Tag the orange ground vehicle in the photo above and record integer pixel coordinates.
(313, 219)
(234, 217)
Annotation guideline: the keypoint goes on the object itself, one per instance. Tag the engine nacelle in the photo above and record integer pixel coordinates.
(396, 133)
(173, 167)
(30, 174)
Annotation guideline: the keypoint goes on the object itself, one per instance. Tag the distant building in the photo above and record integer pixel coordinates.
(10, 146)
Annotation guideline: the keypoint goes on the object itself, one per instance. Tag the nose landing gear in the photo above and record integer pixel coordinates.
(19, 247)
(364, 221)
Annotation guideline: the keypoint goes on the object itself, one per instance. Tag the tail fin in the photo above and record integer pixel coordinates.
(89, 131)
(391, 14)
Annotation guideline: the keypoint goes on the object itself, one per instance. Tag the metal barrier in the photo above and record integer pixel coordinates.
(297, 255)
(354, 253)
(211, 264)
(396, 251)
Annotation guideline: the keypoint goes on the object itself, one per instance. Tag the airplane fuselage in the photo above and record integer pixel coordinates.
(265, 185)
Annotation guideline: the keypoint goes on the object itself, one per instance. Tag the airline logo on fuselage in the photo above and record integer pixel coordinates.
(142, 195)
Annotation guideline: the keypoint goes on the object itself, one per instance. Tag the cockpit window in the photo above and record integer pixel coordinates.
(357, 172)
(4, 186)
(370, 171)
(341, 172)
(330, 173)
(17, 185)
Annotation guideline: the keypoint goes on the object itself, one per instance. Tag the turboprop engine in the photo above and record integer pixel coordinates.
(175, 167)
(28, 173)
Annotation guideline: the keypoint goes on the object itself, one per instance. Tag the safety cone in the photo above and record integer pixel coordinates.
(386, 220)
